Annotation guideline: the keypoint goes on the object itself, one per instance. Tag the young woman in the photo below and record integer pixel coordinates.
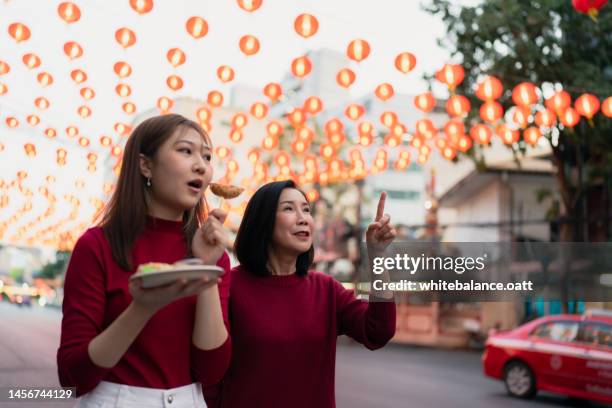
(284, 318)
(122, 345)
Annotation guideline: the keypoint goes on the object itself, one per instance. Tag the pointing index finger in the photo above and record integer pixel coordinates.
(380, 211)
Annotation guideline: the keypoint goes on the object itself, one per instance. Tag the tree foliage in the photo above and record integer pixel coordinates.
(548, 43)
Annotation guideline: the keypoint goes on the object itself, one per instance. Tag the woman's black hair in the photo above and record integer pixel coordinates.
(257, 226)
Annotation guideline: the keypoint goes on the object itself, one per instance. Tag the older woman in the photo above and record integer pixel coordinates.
(284, 319)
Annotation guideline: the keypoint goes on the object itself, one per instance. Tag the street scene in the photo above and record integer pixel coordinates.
(381, 204)
(397, 376)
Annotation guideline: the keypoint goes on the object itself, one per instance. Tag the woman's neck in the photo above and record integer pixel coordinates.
(159, 211)
(281, 264)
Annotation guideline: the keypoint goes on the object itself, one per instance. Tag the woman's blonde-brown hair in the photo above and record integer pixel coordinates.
(125, 215)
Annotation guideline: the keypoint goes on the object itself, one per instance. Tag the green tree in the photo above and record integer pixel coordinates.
(543, 42)
(53, 269)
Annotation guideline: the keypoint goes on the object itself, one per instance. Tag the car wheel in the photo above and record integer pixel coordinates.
(519, 380)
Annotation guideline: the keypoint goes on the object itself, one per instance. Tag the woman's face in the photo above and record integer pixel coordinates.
(293, 226)
(180, 173)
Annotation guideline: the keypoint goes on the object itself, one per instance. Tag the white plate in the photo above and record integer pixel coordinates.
(188, 272)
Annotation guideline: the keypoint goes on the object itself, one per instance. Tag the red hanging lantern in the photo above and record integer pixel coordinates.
(31, 61)
(306, 25)
(449, 153)
(451, 75)
(345, 77)
(250, 5)
(454, 129)
(425, 102)
(458, 105)
(481, 134)
(87, 93)
(197, 27)
(559, 102)
(464, 144)
(164, 104)
(524, 94)
(44, 78)
(521, 116)
(174, 82)
(296, 117)
(489, 89)
(606, 107)
(4, 68)
(273, 91)
(388, 119)
(365, 128)
(545, 118)
(259, 110)
(69, 12)
(333, 126)
(225, 73)
(122, 69)
(425, 128)
(129, 108)
(508, 135)
(42, 103)
(20, 32)
(531, 135)
(587, 105)
(141, 6)
(215, 98)
(491, 111)
(358, 50)
(125, 37)
(176, 57)
(123, 90)
(405, 62)
(301, 66)
(73, 50)
(354, 111)
(33, 120)
(569, 117)
(589, 7)
(384, 91)
(313, 105)
(78, 76)
(249, 45)
(274, 128)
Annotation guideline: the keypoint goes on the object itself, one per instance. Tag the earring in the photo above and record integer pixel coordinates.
(148, 181)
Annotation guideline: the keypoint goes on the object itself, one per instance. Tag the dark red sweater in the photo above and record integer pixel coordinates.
(96, 293)
(284, 331)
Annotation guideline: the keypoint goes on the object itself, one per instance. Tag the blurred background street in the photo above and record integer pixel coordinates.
(396, 376)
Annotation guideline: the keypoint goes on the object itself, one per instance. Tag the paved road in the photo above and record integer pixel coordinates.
(396, 376)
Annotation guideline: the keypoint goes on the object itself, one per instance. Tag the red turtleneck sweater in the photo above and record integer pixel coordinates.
(284, 331)
(96, 293)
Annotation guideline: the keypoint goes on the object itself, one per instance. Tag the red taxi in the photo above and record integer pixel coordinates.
(564, 354)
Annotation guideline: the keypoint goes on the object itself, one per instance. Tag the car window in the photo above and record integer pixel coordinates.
(596, 334)
(558, 331)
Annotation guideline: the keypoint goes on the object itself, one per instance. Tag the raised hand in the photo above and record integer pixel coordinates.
(210, 240)
(380, 233)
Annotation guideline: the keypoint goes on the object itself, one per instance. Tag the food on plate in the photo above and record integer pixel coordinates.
(154, 267)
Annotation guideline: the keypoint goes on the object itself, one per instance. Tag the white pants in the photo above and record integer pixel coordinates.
(107, 395)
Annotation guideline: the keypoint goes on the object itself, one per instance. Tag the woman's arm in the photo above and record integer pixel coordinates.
(370, 323)
(107, 348)
(83, 314)
(211, 344)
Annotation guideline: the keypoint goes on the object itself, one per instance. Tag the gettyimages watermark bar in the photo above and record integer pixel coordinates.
(483, 271)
